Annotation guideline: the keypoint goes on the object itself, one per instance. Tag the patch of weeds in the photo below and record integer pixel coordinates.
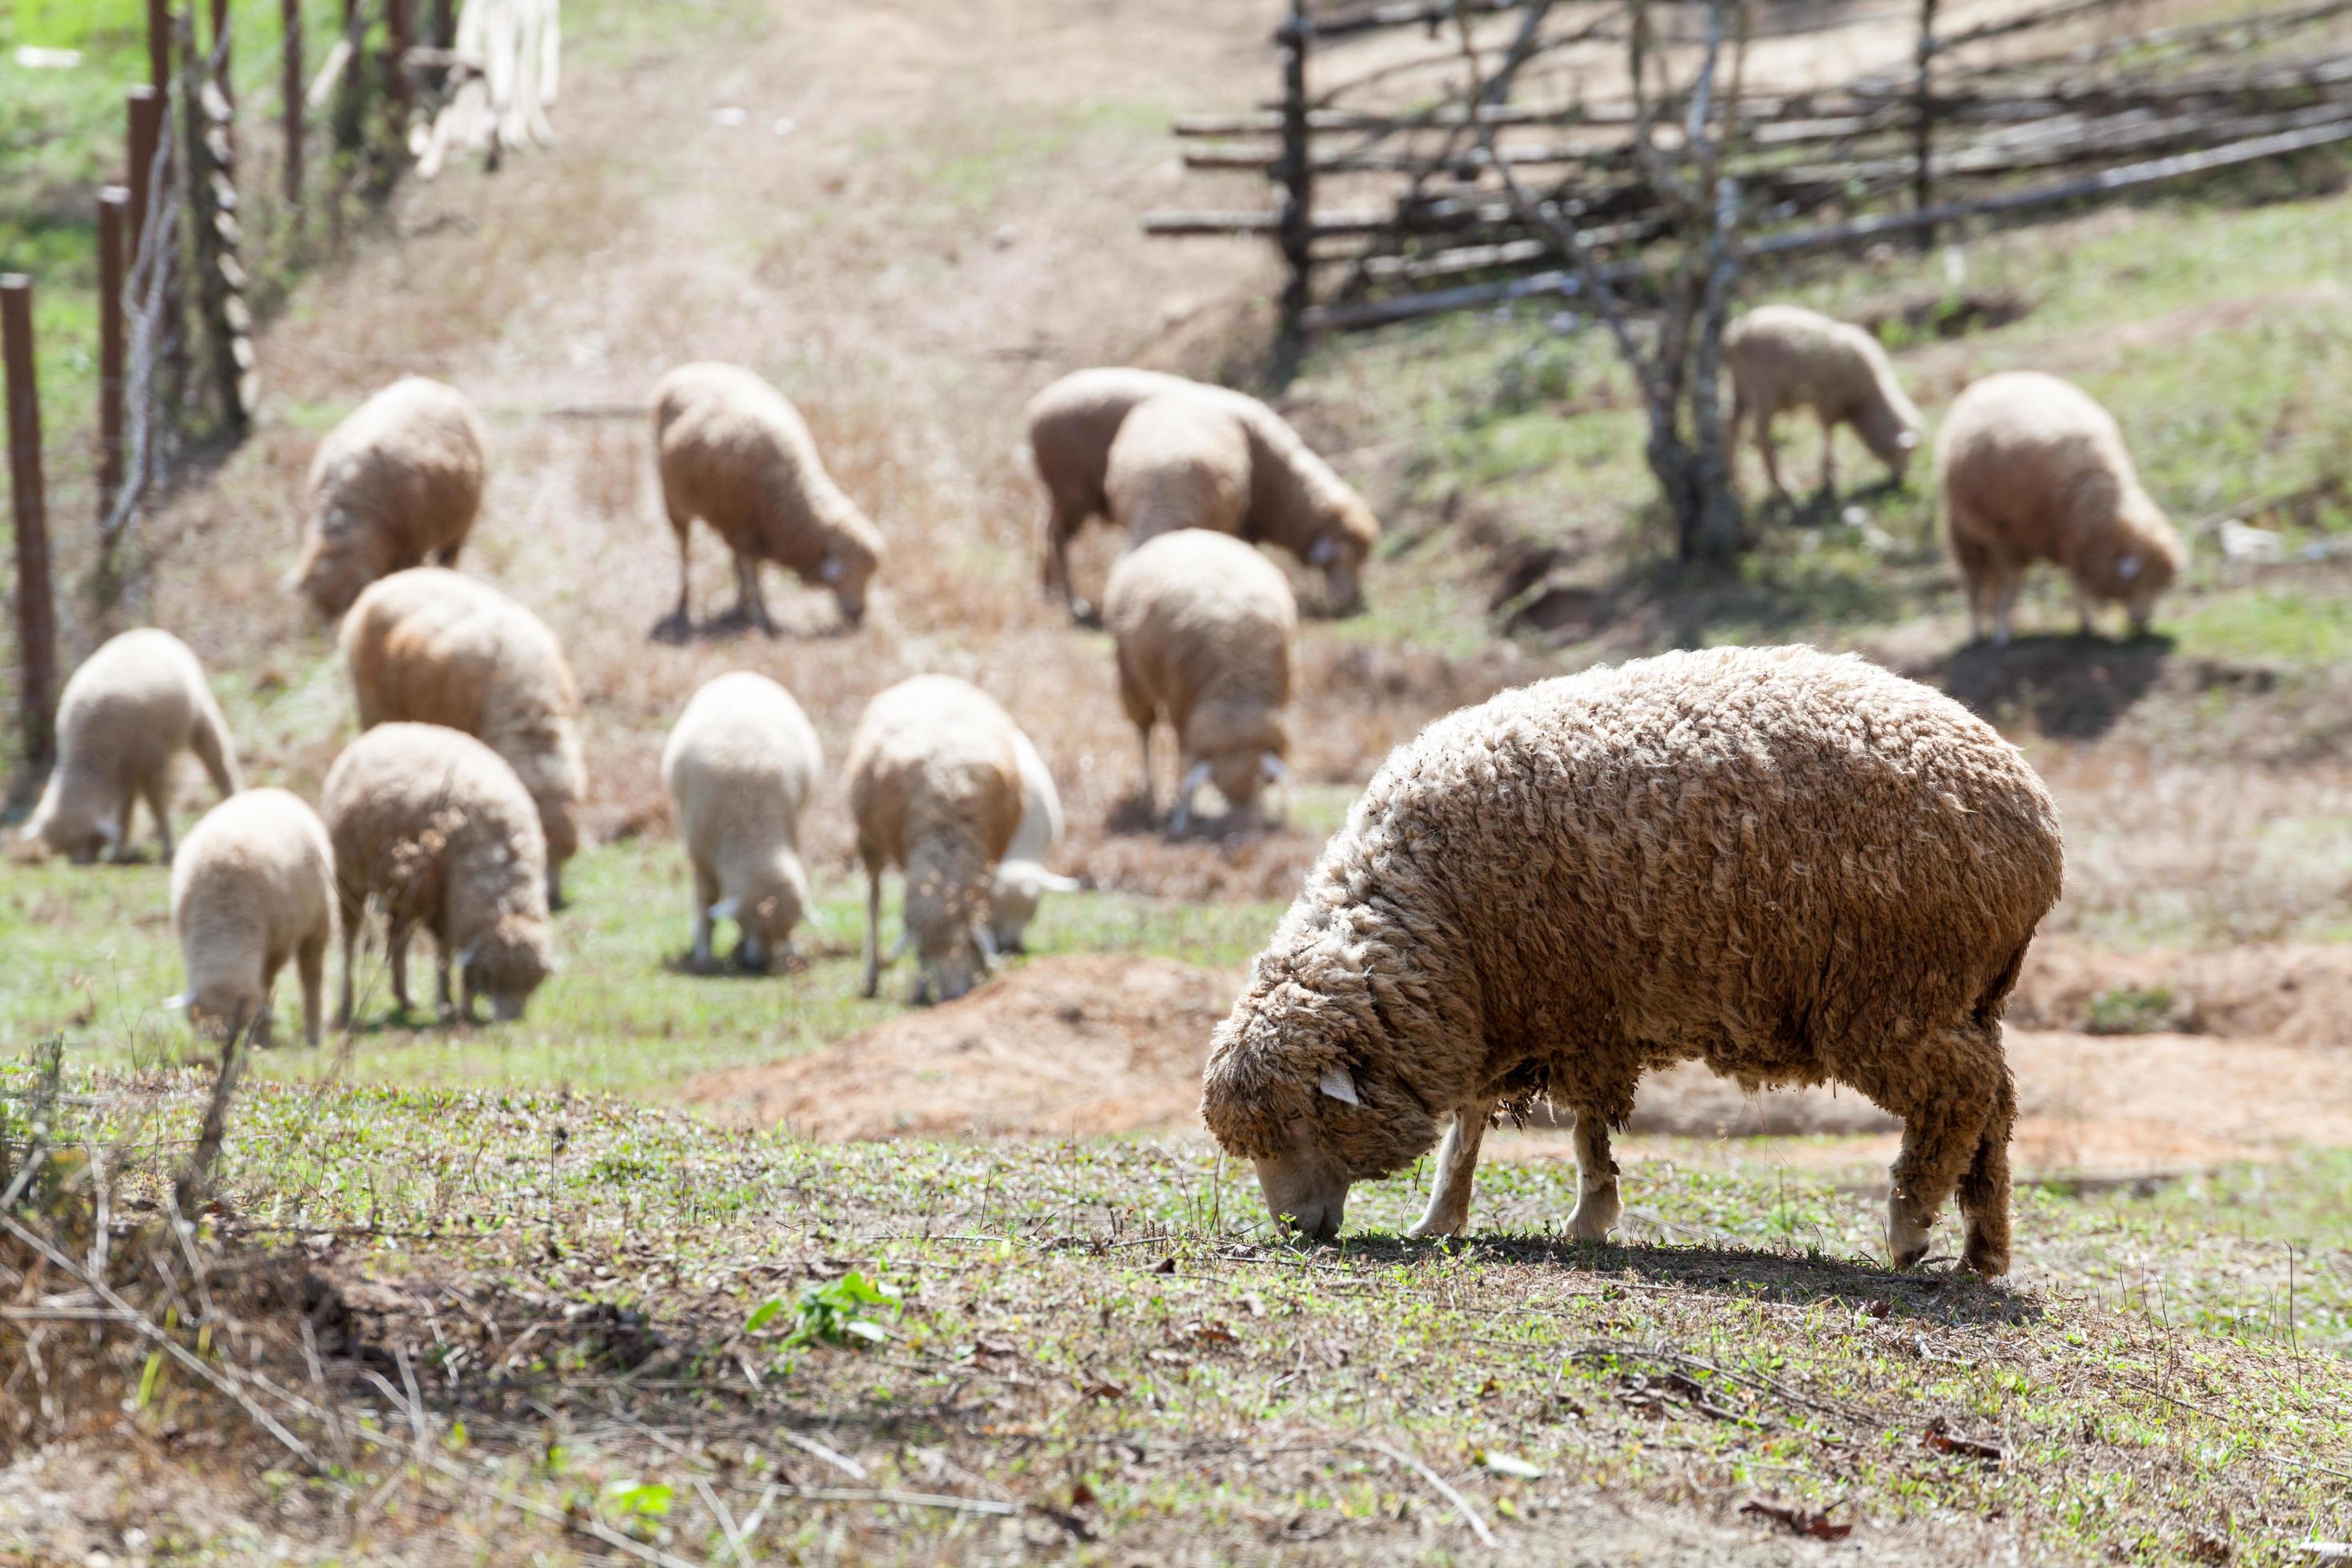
(2131, 1010)
(833, 1313)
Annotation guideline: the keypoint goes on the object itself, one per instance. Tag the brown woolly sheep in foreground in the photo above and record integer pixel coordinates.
(2034, 470)
(1793, 868)
(739, 768)
(735, 454)
(125, 717)
(397, 484)
(253, 888)
(1022, 881)
(437, 825)
(1204, 625)
(1295, 501)
(1783, 357)
(935, 788)
(432, 647)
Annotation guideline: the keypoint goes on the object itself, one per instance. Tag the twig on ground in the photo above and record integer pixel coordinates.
(1437, 1483)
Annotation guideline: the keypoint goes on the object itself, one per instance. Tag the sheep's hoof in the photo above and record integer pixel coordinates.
(1437, 1225)
(1986, 1259)
(673, 628)
(1596, 1216)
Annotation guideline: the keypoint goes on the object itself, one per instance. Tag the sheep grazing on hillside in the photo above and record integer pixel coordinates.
(435, 824)
(2032, 470)
(1204, 625)
(935, 788)
(396, 484)
(735, 454)
(432, 646)
(253, 888)
(1794, 867)
(1294, 500)
(739, 768)
(1783, 357)
(1022, 881)
(125, 717)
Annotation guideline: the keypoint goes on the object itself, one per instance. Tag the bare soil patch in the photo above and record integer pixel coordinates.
(2296, 994)
(1099, 1043)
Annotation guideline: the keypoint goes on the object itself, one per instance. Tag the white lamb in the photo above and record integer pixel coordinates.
(739, 768)
(1783, 357)
(253, 888)
(125, 717)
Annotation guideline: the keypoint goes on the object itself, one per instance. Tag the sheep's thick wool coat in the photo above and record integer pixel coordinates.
(739, 768)
(1797, 868)
(396, 484)
(252, 891)
(2032, 468)
(433, 646)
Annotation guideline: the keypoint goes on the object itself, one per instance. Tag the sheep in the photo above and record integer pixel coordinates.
(734, 453)
(739, 768)
(429, 646)
(1180, 461)
(2032, 469)
(437, 825)
(1294, 500)
(1782, 357)
(1795, 867)
(1022, 881)
(935, 788)
(397, 484)
(254, 887)
(125, 717)
(1204, 625)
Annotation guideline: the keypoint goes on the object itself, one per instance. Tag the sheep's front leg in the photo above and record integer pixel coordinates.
(1828, 456)
(1597, 1203)
(1457, 1161)
(873, 985)
(311, 968)
(1770, 449)
(395, 947)
(706, 893)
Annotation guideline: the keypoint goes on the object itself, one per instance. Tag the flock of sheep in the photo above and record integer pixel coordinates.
(1795, 867)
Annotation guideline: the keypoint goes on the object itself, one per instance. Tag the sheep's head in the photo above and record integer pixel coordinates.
(946, 913)
(767, 913)
(506, 963)
(1892, 428)
(851, 558)
(338, 559)
(1339, 549)
(1013, 899)
(81, 830)
(1298, 1082)
(1239, 745)
(2146, 559)
(217, 1009)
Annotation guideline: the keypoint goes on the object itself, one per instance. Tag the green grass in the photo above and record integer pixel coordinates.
(1103, 1334)
(93, 955)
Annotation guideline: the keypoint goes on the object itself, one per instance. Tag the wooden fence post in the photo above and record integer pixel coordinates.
(351, 87)
(399, 89)
(145, 130)
(1297, 232)
(1923, 131)
(37, 623)
(113, 278)
(223, 77)
(290, 88)
(159, 45)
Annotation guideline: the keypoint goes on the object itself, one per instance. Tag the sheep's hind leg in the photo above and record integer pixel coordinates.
(1457, 1162)
(873, 984)
(311, 969)
(1950, 1128)
(1984, 1186)
(159, 805)
(1597, 1202)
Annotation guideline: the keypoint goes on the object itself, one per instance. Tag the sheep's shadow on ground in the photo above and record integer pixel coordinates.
(1738, 1274)
(2074, 687)
(1821, 507)
(1135, 816)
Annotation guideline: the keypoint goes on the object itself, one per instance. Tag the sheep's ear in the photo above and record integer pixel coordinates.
(467, 953)
(829, 570)
(724, 909)
(1319, 553)
(1272, 767)
(1908, 440)
(175, 1004)
(1336, 1083)
(2128, 568)
(1053, 882)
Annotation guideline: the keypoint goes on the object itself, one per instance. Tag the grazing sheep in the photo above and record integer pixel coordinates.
(125, 717)
(1180, 461)
(253, 887)
(738, 769)
(1794, 867)
(1295, 500)
(2032, 470)
(1204, 625)
(1783, 357)
(935, 787)
(437, 825)
(398, 482)
(1022, 881)
(734, 453)
(431, 647)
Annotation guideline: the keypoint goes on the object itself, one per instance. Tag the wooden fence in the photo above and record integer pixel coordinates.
(1853, 126)
(175, 352)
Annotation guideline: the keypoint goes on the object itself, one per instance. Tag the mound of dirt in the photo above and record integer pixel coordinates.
(1093, 1043)
(2293, 994)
